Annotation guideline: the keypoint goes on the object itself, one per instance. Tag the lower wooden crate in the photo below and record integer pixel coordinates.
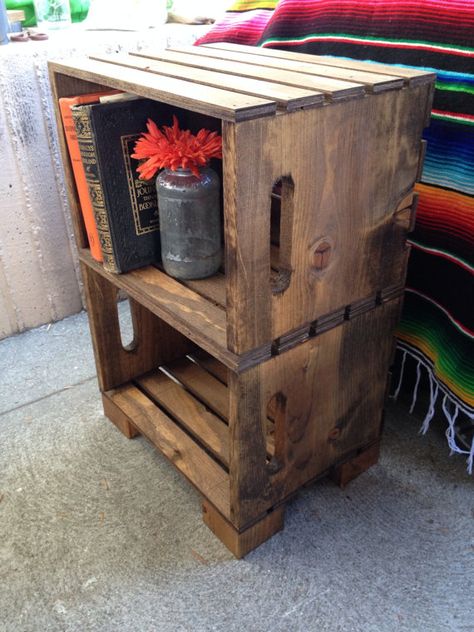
(249, 441)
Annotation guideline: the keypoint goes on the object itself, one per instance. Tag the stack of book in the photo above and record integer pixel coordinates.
(120, 211)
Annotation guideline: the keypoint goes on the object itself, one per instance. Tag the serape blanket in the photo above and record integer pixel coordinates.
(437, 325)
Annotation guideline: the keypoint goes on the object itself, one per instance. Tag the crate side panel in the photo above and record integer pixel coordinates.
(333, 388)
(352, 165)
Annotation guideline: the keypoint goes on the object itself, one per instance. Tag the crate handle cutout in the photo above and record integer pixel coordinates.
(126, 322)
(281, 226)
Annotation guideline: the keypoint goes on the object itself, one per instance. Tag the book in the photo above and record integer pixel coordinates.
(65, 107)
(125, 207)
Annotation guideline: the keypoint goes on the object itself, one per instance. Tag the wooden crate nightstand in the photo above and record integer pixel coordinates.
(260, 379)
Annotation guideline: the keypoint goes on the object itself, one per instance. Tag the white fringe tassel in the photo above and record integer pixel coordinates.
(402, 370)
(415, 390)
(451, 417)
(435, 389)
(470, 461)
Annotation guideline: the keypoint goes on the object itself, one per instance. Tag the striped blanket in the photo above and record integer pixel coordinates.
(437, 326)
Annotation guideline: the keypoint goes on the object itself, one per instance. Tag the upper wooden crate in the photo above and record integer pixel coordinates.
(320, 157)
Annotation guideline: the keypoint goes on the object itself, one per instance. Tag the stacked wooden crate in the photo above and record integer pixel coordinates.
(273, 372)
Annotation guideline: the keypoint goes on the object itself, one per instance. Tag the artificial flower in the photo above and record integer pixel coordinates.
(174, 148)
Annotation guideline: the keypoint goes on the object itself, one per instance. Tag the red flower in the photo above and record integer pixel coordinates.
(174, 148)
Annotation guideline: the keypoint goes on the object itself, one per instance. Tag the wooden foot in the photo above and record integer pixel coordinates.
(343, 474)
(242, 542)
(118, 417)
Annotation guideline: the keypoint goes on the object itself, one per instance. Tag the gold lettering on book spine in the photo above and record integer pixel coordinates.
(89, 160)
(142, 194)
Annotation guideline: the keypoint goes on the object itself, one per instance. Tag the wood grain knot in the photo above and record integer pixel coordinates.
(321, 255)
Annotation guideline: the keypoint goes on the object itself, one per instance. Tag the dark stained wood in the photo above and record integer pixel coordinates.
(405, 212)
(274, 374)
(240, 543)
(288, 98)
(429, 102)
(411, 76)
(421, 161)
(194, 316)
(335, 89)
(346, 472)
(351, 247)
(215, 368)
(212, 392)
(118, 417)
(248, 182)
(116, 365)
(186, 455)
(331, 401)
(230, 106)
(202, 384)
(213, 288)
(208, 429)
(251, 493)
(182, 308)
(374, 82)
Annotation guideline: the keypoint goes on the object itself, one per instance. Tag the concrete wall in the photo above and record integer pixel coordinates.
(39, 280)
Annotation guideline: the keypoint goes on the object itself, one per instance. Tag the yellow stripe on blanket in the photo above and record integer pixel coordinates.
(251, 5)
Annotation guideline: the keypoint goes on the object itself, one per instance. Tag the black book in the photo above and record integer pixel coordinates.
(125, 207)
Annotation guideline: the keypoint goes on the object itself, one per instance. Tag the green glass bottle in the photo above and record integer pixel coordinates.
(79, 10)
(27, 7)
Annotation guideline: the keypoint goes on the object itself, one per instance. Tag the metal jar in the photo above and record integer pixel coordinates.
(190, 222)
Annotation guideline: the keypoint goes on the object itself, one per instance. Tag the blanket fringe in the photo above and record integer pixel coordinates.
(449, 405)
(434, 390)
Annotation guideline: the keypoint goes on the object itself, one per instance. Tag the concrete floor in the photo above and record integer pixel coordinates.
(101, 533)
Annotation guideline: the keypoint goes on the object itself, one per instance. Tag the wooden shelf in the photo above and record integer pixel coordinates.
(351, 249)
(183, 409)
(210, 478)
(195, 308)
(194, 314)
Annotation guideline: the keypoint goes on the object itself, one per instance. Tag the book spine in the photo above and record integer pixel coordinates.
(87, 148)
(80, 178)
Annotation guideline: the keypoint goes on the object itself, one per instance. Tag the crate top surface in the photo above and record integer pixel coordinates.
(238, 83)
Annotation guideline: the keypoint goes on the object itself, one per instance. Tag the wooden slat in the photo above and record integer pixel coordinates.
(202, 384)
(215, 368)
(249, 176)
(188, 312)
(212, 288)
(184, 453)
(189, 412)
(196, 57)
(410, 75)
(212, 392)
(375, 82)
(230, 106)
(250, 487)
(286, 97)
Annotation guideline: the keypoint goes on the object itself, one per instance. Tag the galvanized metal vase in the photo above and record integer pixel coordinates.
(190, 222)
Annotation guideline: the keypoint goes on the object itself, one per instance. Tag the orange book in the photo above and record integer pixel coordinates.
(65, 105)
